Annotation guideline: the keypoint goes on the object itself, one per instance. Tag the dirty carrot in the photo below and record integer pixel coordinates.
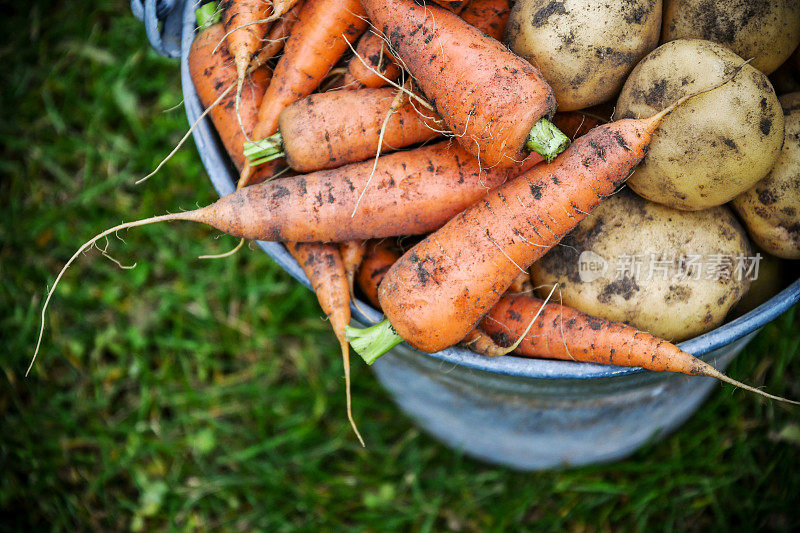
(323, 266)
(413, 192)
(439, 290)
(278, 33)
(379, 256)
(328, 130)
(372, 64)
(245, 24)
(561, 332)
(212, 73)
(245, 27)
(495, 103)
(322, 33)
(451, 5)
(576, 123)
(352, 253)
(489, 16)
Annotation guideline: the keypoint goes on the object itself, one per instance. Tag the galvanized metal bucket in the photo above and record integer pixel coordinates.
(524, 413)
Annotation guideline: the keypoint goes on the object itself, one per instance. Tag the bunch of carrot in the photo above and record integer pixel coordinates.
(492, 197)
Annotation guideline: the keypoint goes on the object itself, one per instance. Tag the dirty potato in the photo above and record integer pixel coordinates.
(584, 49)
(714, 146)
(771, 209)
(673, 273)
(766, 30)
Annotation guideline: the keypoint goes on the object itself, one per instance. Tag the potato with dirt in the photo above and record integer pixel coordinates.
(584, 49)
(766, 30)
(675, 274)
(771, 209)
(715, 146)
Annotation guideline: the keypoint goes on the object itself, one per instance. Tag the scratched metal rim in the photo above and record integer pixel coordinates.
(223, 178)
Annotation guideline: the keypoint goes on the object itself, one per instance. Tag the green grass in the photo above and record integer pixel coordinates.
(194, 394)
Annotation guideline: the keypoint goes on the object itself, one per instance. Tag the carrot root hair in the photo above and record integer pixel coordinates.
(225, 254)
(348, 396)
(396, 103)
(709, 371)
(514, 346)
(192, 216)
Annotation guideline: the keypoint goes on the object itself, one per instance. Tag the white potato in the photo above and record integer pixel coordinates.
(672, 273)
(771, 209)
(712, 147)
(583, 48)
(766, 30)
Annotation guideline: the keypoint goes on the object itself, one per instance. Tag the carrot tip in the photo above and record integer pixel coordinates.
(546, 140)
(372, 342)
(207, 14)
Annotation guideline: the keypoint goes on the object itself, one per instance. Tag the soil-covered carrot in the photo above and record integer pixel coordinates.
(212, 73)
(561, 332)
(319, 38)
(489, 16)
(412, 192)
(379, 256)
(328, 130)
(352, 254)
(451, 5)
(557, 332)
(494, 102)
(576, 123)
(372, 55)
(245, 24)
(279, 32)
(323, 266)
(439, 290)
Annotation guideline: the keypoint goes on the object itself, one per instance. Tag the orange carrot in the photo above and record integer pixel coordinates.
(557, 332)
(319, 38)
(213, 73)
(279, 7)
(279, 32)
(379, 256)
(489, 16)
(245, 24)
(323, 266)
(413, 192)
(451, 5)
(372, 55)
(576, 123)
(495, 102)
(560, 332)
(352, 254)
(439, 290)
(328, 130)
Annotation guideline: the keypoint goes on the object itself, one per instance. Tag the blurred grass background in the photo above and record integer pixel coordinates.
(196, 395)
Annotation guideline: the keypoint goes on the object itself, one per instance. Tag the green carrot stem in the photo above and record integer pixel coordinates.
(267, 149)
(546, 140)
(374, 341)
(207, 14)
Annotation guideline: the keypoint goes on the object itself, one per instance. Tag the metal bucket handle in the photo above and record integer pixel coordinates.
(162, 24)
